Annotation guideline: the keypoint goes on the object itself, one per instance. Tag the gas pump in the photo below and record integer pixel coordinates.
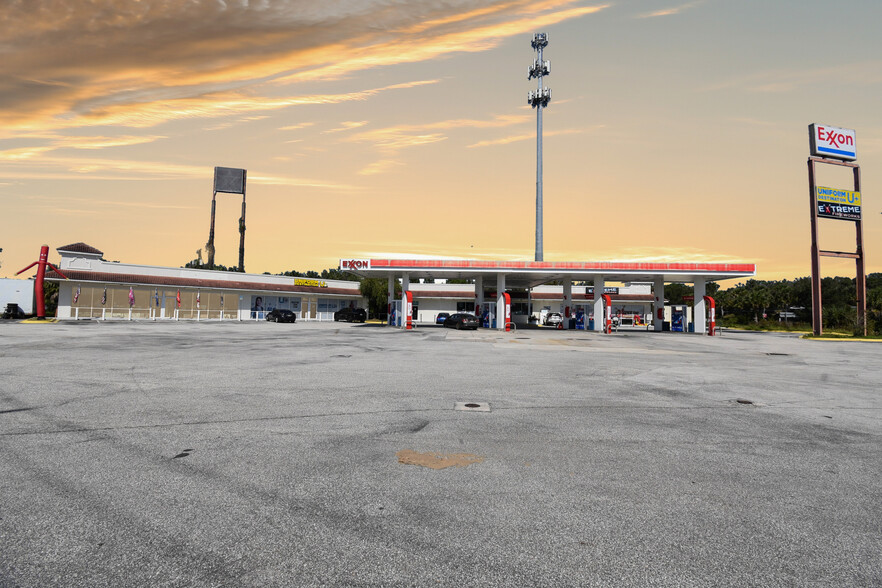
(395, 315)
(485, 316)
(712, 323)
(507, 301)
(607, 324)
(678, 319)
(580, 318)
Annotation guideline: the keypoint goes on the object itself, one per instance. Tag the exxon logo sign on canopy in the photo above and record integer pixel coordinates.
(827, 141)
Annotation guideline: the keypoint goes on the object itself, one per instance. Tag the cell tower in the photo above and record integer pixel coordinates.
(539, 100)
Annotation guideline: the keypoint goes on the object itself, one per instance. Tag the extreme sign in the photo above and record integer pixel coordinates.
(842, 204)
(827, 141)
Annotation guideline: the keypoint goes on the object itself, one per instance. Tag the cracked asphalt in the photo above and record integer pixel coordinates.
(257, 454)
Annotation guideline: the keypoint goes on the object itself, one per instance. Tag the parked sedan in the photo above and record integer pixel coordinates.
(281, 315)
(462, 320)
(553, 318)
(351, 315)
(442, 316)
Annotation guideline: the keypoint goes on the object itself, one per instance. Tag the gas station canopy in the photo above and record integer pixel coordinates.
(529, 274)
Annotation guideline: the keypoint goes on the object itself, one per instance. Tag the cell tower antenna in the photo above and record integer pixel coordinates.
(539, 100)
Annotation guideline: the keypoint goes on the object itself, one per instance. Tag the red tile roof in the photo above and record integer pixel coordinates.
(80, 248)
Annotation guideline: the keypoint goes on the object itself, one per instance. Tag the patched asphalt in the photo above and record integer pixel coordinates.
(257, 454)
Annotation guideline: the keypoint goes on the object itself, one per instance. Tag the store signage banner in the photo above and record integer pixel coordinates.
(827, 141)
(313, 283)
(840, 204)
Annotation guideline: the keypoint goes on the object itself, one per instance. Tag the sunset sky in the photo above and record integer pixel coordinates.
(677, 130)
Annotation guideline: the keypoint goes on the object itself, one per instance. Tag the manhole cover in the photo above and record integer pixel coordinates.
(743, 401)
(472, 406)
(781, 354)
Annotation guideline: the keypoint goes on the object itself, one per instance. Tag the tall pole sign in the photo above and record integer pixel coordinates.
(232, 181)
(836, 146)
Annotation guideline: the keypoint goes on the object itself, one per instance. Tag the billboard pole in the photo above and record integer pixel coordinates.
(242, 226)
(231, 181)
(209, 247)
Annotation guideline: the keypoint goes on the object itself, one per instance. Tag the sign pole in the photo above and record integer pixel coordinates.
(859, 263)
(817, 324)
(817, 252)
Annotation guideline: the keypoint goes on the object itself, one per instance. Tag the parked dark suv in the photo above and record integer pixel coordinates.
(351, 315)
(281, 315)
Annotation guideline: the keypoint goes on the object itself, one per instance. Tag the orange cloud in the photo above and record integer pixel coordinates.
(141, 64)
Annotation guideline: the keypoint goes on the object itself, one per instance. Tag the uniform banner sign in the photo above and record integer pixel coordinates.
(840, 204)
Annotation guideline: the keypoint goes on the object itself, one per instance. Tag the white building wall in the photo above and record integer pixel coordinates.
(20, 292)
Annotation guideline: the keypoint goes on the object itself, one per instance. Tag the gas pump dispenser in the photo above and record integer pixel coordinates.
(485, 316)
(580, 318)
(712, 311)
(679, 318)
(507, 301)
(395, 315)
(607, 324)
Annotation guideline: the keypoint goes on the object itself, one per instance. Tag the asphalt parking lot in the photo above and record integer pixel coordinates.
(257, 454)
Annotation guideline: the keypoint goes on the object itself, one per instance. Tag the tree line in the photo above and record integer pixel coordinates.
(790, 301)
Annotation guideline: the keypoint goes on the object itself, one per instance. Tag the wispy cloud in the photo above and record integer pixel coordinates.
(57, 167)
(347, 126)
(670, 11)
(208, 106)
(395, 138)
(297, 127)
(524, 137)
(379, 167)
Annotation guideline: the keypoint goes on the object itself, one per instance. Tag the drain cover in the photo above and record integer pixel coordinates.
(472, 406)
(743, 401)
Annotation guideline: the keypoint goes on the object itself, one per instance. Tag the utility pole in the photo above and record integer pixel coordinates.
(539, 100)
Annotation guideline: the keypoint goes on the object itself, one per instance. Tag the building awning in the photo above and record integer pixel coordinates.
(178, 282)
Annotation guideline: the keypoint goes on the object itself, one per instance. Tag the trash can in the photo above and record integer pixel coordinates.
(666, 325)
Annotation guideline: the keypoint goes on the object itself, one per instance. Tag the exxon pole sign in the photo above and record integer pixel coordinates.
(827, 141)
